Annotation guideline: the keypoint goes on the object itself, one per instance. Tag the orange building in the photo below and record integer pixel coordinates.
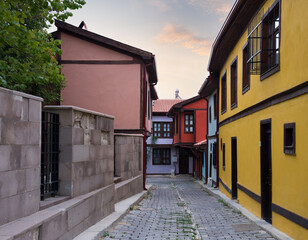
(190, 128)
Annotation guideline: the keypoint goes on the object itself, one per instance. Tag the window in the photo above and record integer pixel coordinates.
(162, 129)
(246, 76)
(289, 138)
(214, 155)
(270, 41)
(156, 129)
(166, 130)
(234, 84)
(223, 94)
(189, 123)
(215, 106)
(223, 157)
(210, 114)
(161, 156)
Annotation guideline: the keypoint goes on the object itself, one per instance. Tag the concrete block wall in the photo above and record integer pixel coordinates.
(128, 165)
(65, 220)
(128, 155)
(20, 138)
(86, 150)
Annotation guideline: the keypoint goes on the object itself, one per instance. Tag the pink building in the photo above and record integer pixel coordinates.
(109, 77)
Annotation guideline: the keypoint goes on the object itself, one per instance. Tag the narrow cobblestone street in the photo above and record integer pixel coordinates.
(178, 208)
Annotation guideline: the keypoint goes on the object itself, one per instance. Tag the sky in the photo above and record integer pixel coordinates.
(180, 34)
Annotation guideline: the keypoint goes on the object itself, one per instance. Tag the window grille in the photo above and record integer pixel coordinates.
(49, 155)
(254, 44)
(270, 38)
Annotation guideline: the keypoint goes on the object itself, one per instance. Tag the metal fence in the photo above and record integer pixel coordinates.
(49, 155)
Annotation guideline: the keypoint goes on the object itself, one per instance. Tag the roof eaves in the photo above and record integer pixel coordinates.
(209, 85)
(103, 40)
(236, 22)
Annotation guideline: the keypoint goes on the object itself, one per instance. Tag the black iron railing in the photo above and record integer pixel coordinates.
(49, 155)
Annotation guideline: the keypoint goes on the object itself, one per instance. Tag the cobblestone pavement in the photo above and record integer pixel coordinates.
(178, 208)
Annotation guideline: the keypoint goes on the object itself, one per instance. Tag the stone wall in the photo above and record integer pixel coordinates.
(20, 138)
(128, 165)
(128, 155)
(86, 150)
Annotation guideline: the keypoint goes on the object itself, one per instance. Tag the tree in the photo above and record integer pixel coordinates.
(27, 52)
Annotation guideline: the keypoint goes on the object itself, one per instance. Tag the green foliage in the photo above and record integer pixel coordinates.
(27, 52)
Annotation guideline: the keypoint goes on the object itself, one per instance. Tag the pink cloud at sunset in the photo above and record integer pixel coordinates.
(175, 34)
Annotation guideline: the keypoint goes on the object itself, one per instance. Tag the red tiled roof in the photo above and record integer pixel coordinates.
(164, 105)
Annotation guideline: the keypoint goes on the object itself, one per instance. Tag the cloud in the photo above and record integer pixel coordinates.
(217, 6)
(176, 34)
(160, 4)
(224, 8)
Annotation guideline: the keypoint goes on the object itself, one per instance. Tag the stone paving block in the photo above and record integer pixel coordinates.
(172, 210)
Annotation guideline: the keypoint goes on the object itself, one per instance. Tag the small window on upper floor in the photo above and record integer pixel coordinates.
(270, 55)
(246, 76)
(289, 138)
(223, 93)
(215, 106)
(162, 129)
(188, 123)
(234, 84)
(210, 114)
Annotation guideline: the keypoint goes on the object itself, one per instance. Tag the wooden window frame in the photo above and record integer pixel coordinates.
(214, 155)
(161, 133)
(233, 83)
(224, 93)
(162, 160)
(223, 156)
(215, 106)
(210, 115)
(189, 125)
(289, 148)
(245, 70)
(271, 65)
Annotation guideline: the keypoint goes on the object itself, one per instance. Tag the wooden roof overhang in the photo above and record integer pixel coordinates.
(146, 57)
(234, 26)
(208, 87)
(177, 107)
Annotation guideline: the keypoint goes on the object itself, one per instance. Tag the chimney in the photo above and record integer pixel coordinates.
(177, 96)
(83, 24)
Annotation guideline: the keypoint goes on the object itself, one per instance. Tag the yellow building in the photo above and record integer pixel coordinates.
(260, 62)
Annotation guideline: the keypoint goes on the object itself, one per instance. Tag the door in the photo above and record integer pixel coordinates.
(184, 165)
(234, 166)
(266, 170)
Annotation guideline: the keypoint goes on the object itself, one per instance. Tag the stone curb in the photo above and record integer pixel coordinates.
(97, 231)
(235, 205)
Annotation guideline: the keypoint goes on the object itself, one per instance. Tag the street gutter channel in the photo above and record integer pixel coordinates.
(198, 236)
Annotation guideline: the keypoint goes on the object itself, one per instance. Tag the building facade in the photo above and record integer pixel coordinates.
(161, 153)
(190, 128)
(108, 76)
(258, 63)
(210, 166)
